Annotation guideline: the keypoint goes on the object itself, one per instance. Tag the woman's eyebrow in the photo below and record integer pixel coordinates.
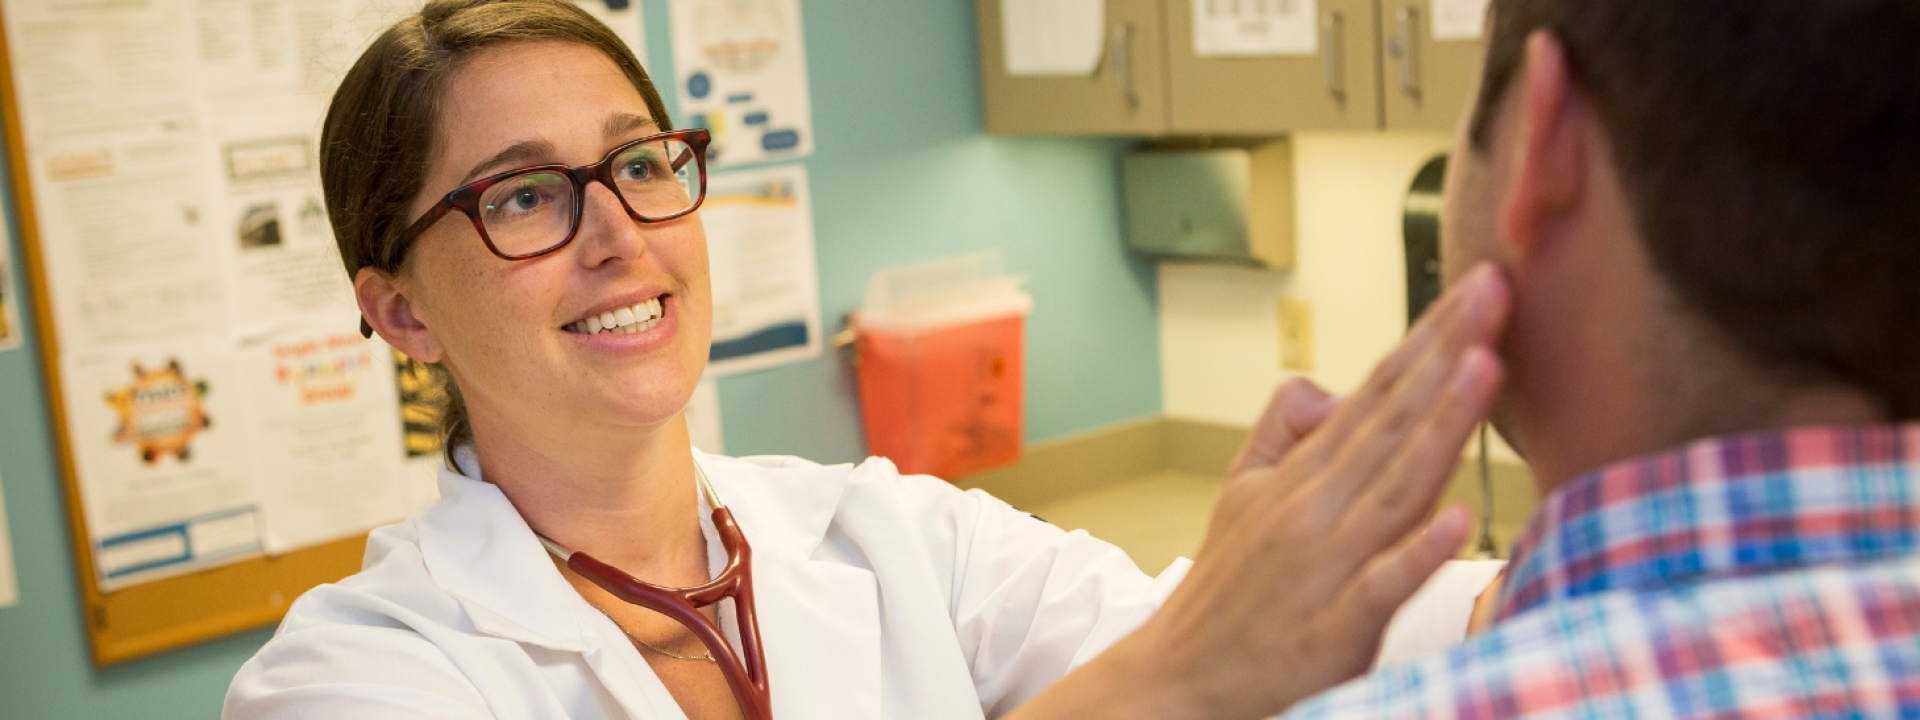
(525, 152)
(620, 124)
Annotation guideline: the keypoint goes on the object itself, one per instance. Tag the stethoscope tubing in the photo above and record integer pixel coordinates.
(746, 677)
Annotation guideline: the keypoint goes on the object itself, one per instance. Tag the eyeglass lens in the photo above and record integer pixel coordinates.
(533, 211)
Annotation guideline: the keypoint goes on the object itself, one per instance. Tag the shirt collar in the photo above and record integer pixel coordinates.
(1721, 507)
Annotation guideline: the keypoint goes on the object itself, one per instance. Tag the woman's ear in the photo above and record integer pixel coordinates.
(385, 307)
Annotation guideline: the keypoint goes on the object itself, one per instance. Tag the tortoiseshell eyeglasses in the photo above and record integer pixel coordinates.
(533, 211)
(530, 212)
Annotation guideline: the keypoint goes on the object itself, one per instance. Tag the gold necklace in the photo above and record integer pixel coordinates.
(708, 656)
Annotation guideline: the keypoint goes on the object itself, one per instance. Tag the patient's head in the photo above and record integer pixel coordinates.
(1710, 210)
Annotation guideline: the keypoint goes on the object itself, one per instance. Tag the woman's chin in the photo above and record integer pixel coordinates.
(652, 405)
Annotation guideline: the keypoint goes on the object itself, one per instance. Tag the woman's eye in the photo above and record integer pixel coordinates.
(524, 200)
(636, 169)
(524, 197)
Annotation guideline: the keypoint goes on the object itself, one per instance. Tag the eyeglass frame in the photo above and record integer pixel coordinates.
(466, 198)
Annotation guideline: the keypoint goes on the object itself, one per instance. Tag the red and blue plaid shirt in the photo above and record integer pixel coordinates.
(1771, 575)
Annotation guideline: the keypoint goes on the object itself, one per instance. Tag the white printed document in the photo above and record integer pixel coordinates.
(1459, 19)
(217, 400)
(326, 449)
(1255, 28)
(1052, 37)
(766, 286)
(742, 71)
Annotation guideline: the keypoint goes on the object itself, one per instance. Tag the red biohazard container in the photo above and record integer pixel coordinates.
(940, 349)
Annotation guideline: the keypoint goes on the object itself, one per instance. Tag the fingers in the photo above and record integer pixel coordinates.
(1407, 407)
(1386, 584)
(1406, 489)
(1473, 311)
(1297, 407)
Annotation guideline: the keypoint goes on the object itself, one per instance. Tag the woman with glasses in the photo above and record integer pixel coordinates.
(515, 207)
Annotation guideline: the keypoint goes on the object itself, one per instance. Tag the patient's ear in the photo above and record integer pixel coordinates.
(1556, 132)
(386, 307)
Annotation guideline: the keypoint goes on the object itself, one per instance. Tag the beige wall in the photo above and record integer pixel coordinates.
(1219, 325)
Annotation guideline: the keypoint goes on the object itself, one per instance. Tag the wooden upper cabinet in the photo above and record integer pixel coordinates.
(1378, 66)
(1426, 84)
(1127, 95)
(1335, 89)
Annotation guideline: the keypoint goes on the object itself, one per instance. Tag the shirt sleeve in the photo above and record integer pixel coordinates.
(1030, 601)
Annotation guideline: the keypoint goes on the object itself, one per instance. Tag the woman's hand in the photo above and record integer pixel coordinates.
(1319, 536)
(1296, 409)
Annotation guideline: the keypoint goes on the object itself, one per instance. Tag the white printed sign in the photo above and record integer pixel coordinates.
(1459, 19)
(742, 71)
(1253, 28)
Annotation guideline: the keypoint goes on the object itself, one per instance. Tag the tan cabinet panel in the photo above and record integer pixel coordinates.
(1427, 84)
(1333, 90)
(1126, 96)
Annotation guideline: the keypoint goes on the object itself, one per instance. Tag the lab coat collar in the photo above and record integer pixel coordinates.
(479, 549)
(790, 508)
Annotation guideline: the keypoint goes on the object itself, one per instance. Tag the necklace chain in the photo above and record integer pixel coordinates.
(707, 656)
(700, 476)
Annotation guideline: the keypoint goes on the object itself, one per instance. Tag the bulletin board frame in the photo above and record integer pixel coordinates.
(151, 617)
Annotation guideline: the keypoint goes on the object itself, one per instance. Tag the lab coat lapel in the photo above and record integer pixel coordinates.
(820, 623)
(819, 620)
(479, 549)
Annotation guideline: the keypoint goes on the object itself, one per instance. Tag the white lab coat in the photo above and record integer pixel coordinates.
(879, 595)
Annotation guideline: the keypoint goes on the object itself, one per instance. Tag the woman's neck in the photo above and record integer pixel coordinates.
(630, 502)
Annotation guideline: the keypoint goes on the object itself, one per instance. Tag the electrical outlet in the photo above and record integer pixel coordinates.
(1296, 335)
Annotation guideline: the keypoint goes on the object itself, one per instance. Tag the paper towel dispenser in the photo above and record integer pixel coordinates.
(1221, 204)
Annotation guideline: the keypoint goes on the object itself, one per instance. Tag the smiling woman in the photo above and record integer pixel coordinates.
(514, 208)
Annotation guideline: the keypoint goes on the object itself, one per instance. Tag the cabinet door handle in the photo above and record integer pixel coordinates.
(1333, 44)
(1120, 56)
(1404, 46)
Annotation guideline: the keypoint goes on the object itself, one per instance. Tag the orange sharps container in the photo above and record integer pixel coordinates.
(941, 373)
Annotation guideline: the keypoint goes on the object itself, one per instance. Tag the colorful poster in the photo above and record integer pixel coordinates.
(742, 71)
(766, 288)
(219, 403)
(217, 400)
(159, 436)
(325, 443)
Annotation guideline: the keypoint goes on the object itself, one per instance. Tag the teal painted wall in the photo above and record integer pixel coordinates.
(901, 173)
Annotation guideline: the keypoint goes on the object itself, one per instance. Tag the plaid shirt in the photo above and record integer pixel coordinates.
(1771, 575)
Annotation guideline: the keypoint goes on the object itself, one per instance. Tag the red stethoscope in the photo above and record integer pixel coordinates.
(748, 679)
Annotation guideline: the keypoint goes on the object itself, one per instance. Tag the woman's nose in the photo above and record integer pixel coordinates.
(606, 231)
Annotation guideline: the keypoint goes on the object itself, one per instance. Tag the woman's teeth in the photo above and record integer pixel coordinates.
(624, 321)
